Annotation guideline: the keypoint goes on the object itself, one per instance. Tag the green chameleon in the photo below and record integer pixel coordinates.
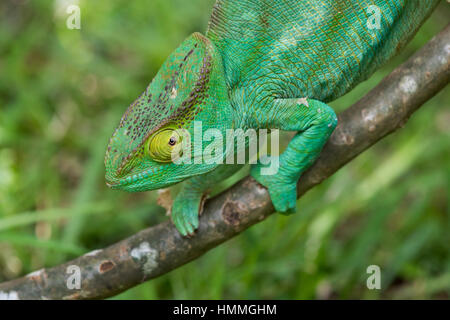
(267, 64)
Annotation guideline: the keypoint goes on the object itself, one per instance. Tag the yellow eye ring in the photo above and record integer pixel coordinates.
(164, 145)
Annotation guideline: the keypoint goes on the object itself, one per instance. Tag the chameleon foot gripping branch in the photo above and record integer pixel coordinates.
(261, 65)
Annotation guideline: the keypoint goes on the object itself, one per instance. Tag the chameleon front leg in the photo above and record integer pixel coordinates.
(315, 122)
(189, 201)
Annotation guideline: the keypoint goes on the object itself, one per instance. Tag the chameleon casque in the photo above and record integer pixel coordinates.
(262, 64)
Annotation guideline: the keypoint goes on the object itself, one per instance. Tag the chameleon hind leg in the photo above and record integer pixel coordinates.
(188, 203)
(315, 122)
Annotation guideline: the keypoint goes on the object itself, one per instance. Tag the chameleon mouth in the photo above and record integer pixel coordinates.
(112, 185)
(111, 182)
(116, 183)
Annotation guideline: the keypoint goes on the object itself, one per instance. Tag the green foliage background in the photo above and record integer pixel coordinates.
(63, 91)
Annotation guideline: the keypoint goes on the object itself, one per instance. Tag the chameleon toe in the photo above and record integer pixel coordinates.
(282, 193)
(185, 215)
(189, 225)
(284, 199)
(176, 219)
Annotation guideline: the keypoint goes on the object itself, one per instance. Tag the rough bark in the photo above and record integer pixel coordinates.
(160, 249)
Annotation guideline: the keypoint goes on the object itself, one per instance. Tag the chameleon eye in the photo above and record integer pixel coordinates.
(172, 141)
(163, 144)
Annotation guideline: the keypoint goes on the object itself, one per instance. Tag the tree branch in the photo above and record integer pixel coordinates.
(160, 249)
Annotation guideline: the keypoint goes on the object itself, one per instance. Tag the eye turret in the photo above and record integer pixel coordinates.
(172, 141)
(164, 145)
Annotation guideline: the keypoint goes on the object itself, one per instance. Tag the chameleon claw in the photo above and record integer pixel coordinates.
(191, 223)
(189, 227)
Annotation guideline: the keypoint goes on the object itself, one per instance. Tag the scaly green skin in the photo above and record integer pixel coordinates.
(263, 64)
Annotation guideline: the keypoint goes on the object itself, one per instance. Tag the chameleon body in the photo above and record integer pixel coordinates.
(263, 65)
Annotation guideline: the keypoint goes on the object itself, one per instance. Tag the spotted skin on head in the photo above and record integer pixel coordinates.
(174, 102)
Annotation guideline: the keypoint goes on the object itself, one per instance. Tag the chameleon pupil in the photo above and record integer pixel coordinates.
(172, 141)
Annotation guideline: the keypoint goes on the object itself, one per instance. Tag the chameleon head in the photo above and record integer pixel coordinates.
(188, 89)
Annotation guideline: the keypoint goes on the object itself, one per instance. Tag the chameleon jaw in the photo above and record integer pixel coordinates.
(141, 181)
(123, 182)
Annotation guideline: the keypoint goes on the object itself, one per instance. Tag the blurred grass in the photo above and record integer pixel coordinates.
(63, 91)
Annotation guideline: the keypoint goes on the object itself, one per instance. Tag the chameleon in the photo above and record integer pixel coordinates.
(262, 64)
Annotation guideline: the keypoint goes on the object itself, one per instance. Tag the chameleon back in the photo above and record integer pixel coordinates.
(315, 48)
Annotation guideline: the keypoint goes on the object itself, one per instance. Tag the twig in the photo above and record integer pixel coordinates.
(160, 249)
